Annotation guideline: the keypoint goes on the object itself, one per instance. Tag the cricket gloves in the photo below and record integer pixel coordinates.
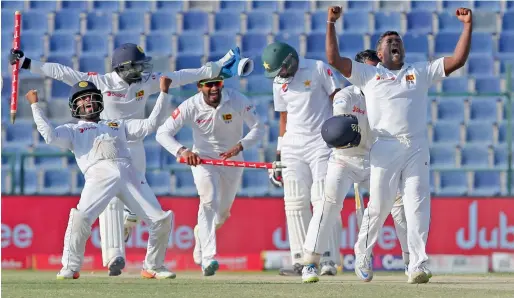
(275, 175)
(233, 64)
(17, 55)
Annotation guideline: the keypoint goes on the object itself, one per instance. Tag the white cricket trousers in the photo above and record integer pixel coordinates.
(105, 180)
(396, 162)
(217, 187)
(306, 161)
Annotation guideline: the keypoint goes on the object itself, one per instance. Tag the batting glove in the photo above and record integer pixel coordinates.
(17, 55)
(275, 175)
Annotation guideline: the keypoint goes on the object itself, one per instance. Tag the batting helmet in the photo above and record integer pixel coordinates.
(81, 90)
(280, 59)
(130, 62)
(341, 131)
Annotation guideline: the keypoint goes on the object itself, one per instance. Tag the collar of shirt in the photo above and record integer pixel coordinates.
(302, 63)
(381, 66)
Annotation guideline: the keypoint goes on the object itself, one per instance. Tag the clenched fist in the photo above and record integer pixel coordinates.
(334, 13)
(31, 96)
(464, 15)
(164, 84)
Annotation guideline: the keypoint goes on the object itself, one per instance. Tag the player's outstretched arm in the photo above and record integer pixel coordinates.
(60, 136)
(55, 71)
(342, 64)
(139, 129)
(461, 52)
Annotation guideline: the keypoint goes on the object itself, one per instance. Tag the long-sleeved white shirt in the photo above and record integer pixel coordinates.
(107, 139)
(215, 130)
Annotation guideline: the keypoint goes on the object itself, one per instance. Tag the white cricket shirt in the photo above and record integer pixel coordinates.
(80, 138)
(306, 97)
(215, 130)
(397, 103)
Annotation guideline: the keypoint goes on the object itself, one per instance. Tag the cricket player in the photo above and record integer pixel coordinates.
(303, 90)
(102, 154)
(396, 100)
(217, 116)
(347, 165)
(125, 92)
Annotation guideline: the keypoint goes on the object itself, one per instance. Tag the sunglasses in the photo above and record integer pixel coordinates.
(211, 84)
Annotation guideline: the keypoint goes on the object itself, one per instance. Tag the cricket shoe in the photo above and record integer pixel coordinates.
(423, 267)
(363, 267)
(211, 268)
(159, 273)
(197, 251)
(116, 265)
(295, 271)
(68, 274)
(310, 274)
(418, 277)
(328, 268)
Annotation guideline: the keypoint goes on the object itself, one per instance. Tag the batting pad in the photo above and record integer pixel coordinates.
(112, 231)
(158, 241)
(77, 233)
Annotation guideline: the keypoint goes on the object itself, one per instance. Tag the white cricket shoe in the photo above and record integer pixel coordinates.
(210, 268)
(68, 274)
(159, 273)
(422, 267)
(328, 268)
(197, 251)
(310, 274)
(363, 267)
(418, 277)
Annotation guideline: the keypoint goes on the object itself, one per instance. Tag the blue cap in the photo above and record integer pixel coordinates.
(341, 131)
(128, 53)
(82, 87)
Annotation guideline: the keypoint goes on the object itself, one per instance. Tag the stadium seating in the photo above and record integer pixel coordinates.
(468, 132)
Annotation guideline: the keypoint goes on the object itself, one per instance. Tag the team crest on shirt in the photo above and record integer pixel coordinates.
(329, 72)
(175, 114)
(410, 79)
(113, 125)
(227, 118)
(307, 84)
(285, 87)
(140, 94)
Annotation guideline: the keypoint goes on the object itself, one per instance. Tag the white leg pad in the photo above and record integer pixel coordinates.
(298, 216)
(77, 233)
(158, 241)
(112, 231)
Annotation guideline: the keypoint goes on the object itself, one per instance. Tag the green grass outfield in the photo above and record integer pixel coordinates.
(258, 284)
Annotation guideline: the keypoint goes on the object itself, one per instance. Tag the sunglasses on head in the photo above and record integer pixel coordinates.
(211, 84)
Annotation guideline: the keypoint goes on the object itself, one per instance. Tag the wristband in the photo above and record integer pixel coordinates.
(279, 144)
(329, 22)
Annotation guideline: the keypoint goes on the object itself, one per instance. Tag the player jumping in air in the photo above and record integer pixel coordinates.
(102, 153)
(217, 116)
(396, 100)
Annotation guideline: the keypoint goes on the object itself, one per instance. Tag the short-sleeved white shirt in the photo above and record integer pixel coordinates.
(397, 103)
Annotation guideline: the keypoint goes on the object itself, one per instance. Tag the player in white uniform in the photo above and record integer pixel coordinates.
(102, 154)
(303, 90)
(217, 116)
(125, 92)
(346, 167)
(396, 100)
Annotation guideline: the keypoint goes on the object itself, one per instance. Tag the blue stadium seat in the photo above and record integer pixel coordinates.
(491, 84)
(319, 21)
(98, 22)
(259, 84)
(360, 5)
(494, 6)
(450, 109)
(291, 39)
(501, 157)
(508, 21)
(424, 6)
(455, 84)
(106, 6)
(75, 6)
(420, 22)
(185, 136)
(92, 64)
(416, 43)
(452, 5)
(447, 133)
(291, 22)
(59, 90)
(67, 22)
(49, 162)
(153, 156)
(7, 21)
(453, 183)
(170, 6)
(43, 6)
(12, 6)
(484, 21)
(195, 22)
(387, 21)
(474, 156)
(442, 156)
(138, 5)
(506, 45)
(265, 6)
(251, 154)
(227, 22)
(233, 6)
(219, 43)
(481, 66)
(315, 43)
(30, 180)
(131, 21)
(7, 39)
(160, 182)
(510, 5)
(62, 44)
(34, 22)
(350, 44)
(188, 61)
(259, 22)
(502, 132)
(484, 109)
(445, 43)
(354, 21)
(163, 22)
(185, 185)
(272, 136)
(127, 37)
(255, 183)
(262, 108)
(302, 6)
(482, 43)
(394, 5)
(56, 181)
(486, 184)
(190, 44)
(448, 22)
(21, 134)
(253, 44)
(95, 44)
(158, 44)
(480, 132)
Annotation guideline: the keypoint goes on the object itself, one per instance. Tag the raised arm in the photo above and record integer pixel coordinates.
(342, 64)
(461, 52)
(61, 136)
